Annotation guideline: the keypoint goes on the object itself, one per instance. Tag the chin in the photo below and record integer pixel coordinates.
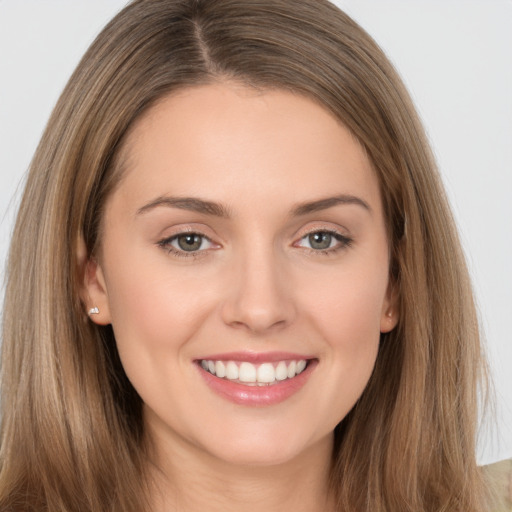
(262, 450)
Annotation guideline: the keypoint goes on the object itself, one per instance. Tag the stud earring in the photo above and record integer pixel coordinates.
(93, 311)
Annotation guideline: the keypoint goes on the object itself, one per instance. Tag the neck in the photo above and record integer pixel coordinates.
(186, 479)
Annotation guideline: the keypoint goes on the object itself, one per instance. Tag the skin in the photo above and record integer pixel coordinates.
(256, 284)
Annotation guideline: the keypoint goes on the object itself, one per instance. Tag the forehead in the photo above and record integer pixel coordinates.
(232, 141)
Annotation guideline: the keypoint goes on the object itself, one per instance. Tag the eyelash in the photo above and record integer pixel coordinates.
(344, 243)
(166, 245)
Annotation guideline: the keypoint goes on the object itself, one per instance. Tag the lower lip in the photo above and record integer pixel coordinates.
(258, 395)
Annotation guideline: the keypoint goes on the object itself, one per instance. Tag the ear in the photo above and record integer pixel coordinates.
(93, 288)
(389, 314)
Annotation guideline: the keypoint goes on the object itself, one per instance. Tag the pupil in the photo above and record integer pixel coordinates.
(320, 240)
(189, 242)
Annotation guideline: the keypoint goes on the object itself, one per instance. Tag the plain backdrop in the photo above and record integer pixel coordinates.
(454, 55)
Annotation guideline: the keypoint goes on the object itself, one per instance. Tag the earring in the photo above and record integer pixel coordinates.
(93, 311)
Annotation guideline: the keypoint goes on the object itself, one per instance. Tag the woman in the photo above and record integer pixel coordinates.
(246, 289)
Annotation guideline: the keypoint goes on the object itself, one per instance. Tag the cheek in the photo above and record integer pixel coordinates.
(347, 307)
(352, 334)
(154, 312)
(346, 313)
(156, 319)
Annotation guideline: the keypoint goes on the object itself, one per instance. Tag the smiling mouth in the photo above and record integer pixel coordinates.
(249, 374)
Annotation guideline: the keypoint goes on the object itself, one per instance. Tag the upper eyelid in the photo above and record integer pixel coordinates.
(171, 238)
(175, 231)
(299, 234)
(336, 234)
(167, 243)
(321, 230)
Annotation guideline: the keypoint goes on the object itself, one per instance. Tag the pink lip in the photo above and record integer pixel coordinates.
(257, 395)
(256, 358)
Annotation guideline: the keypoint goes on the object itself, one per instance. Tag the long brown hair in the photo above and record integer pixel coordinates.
(72, 430)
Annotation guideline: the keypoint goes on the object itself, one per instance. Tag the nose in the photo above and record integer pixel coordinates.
(260, 297)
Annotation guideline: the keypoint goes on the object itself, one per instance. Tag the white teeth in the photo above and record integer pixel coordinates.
(220, 369)
(248, 373)
(231, 371)
(291, 369)
(281, 371)
(266, 373)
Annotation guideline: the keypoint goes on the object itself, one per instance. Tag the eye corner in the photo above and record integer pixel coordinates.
(195, 249)
(329, 236)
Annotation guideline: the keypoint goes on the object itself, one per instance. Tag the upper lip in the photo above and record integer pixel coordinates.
(255, 357)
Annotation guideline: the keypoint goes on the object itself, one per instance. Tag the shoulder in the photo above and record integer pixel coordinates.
(499, 476)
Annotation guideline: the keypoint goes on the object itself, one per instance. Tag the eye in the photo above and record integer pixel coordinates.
(324, 241)
(189, 242)
(184, 243)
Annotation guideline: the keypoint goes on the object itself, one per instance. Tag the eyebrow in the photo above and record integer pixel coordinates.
(195, 204)
(192, 204)
(328, 202)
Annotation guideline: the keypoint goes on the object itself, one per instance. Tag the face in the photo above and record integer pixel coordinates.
(244, 269)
